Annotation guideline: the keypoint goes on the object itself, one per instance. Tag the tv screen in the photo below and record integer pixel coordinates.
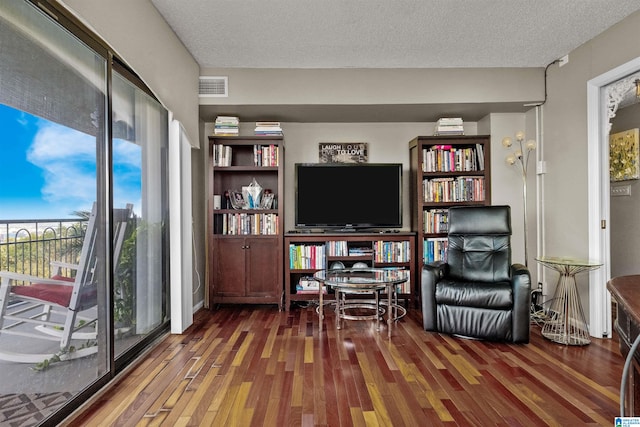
(348, 196)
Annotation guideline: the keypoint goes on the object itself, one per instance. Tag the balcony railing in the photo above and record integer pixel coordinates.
(28, 246)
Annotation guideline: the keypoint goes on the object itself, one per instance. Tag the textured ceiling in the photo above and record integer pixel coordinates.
(387, 33)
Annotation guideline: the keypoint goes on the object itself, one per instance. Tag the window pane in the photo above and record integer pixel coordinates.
(140, 139)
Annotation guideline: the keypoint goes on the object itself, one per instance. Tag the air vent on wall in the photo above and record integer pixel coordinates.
(215, 86)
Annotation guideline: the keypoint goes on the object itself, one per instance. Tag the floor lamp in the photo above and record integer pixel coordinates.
(519, 158)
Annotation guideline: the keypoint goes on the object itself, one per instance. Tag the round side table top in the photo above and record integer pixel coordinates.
(552, 261)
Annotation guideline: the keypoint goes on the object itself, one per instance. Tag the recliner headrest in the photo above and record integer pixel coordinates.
(480, 220)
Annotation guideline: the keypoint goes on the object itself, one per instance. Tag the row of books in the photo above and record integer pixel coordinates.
(449, 126)
(307, 257)
(458, 189)
(341, 248)
(435, 249)
(263, 155)
(222, 155)
(246, 224)
(226, 126)
(392, 251)
(446, 158)
(266, 155)
(435, 221)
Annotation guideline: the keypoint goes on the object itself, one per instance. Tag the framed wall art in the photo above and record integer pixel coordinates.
(343, 152)
(624, 156)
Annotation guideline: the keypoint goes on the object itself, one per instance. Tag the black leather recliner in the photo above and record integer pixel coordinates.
(478, 293)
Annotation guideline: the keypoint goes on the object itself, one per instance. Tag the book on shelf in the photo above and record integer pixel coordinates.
(435, 221)
(243, 223)
(446, 158)
(337, 248)
(360, 251)
(435, 249)
(404, 287)
(310, 291)
(306, 257)
(265, 128)
(266, 155)
(449, 126)
(392, 251)
(226, 126)
(308, 285)
(222, 155)
(480, 155)
(454, 189)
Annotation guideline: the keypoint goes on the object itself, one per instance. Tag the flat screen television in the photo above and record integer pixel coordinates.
(348, 196)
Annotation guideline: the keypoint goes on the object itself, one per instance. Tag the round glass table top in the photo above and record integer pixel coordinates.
(568, 261)
(365, 277)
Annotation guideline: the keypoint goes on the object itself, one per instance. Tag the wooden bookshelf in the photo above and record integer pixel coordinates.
(445, 171)
(246, 243)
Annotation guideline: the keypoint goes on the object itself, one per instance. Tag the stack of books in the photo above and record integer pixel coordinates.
(226, 126)
(449, 126)
(268, 128)
(308, 285)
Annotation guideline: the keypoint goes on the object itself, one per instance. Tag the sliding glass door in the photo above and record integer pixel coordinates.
(82, 187)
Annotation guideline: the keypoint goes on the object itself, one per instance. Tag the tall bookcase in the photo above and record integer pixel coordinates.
(445, 171)
(246, 242)
(306, 253)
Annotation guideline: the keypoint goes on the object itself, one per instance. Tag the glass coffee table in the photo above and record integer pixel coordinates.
(363, 281)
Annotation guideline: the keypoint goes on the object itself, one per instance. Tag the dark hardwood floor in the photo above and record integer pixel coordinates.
(255, 366)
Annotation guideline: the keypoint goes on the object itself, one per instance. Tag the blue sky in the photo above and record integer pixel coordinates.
(48, 170)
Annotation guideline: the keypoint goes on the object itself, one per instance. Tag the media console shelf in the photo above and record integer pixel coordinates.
(306, 253)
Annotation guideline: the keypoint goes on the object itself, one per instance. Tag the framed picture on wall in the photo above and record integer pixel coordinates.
(624, 156)
(343, 152)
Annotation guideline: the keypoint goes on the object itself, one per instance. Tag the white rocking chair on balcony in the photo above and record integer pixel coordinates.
(54, 304)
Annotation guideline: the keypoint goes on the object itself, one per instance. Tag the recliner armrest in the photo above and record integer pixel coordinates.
(438, 268)
(521, 281)
(431, 274)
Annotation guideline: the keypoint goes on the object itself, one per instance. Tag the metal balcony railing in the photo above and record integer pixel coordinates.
(28, 246)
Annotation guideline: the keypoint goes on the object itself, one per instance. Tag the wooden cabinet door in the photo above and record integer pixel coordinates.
(229, 267)
(263, 267)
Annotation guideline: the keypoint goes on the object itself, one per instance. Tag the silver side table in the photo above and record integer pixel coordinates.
(565, 323)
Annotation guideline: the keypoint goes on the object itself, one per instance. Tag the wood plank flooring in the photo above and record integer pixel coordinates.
(255, 366)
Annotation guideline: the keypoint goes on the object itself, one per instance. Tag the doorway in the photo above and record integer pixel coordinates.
(601, 104)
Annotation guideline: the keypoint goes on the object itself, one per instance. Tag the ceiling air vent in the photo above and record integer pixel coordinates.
(213, 86)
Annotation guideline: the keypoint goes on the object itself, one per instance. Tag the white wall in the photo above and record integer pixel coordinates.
(139, 34)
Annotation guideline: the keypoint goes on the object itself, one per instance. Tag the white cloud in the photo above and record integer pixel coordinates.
(68, 160)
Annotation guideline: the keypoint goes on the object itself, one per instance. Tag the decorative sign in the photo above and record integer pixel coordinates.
(624, 155)
(343, 152)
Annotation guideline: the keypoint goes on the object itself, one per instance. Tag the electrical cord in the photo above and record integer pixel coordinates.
(195, 260)
(625, 373)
